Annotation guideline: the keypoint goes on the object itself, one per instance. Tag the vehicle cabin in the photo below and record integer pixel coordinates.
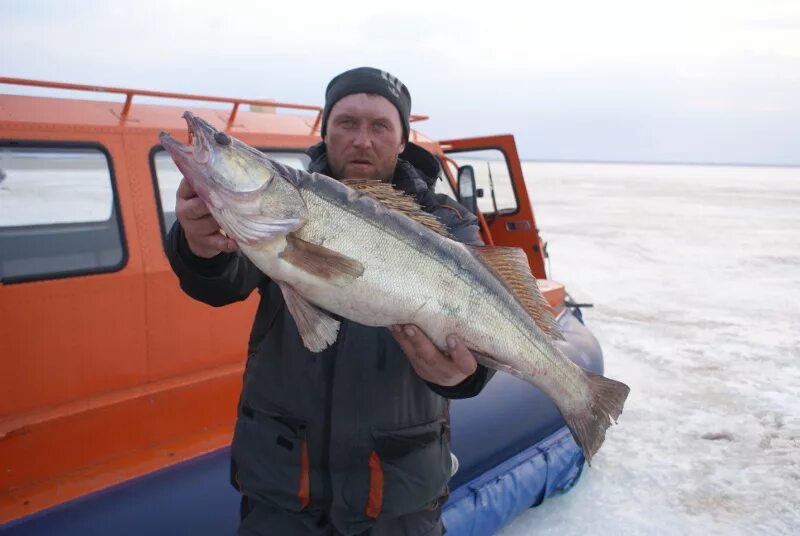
(109, 371)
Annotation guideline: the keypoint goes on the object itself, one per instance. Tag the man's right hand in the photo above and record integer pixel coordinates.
(203, 235)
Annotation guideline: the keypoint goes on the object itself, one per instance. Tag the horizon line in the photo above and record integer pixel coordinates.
(658, 162)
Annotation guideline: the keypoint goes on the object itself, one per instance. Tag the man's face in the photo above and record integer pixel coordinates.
(364, 137)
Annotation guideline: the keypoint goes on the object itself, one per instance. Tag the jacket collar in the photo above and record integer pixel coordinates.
(415, 174)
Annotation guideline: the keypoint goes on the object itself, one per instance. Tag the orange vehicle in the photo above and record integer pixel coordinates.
(117, 399)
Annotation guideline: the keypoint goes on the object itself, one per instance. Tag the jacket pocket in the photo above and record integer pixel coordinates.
(270, 452)
(409, 469)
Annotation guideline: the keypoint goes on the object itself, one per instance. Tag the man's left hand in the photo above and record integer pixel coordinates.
(431, 364)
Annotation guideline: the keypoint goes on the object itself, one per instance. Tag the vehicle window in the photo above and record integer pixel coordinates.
(58, 213)
(442, 184)
(492, 175)
(168, 176)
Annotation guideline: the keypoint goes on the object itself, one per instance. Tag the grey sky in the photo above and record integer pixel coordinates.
(684, 80)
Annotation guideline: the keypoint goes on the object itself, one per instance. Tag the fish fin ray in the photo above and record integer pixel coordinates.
(511, 266)
(321, 261)
(490, 362)
(388, 196)
(254, 228)
(588, 426)
(317, 329)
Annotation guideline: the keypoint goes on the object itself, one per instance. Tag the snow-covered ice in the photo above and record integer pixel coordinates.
(695, 276)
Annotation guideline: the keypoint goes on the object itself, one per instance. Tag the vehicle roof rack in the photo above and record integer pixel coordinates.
(130, 93)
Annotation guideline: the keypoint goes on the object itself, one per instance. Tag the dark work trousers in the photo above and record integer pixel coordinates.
(262, 519)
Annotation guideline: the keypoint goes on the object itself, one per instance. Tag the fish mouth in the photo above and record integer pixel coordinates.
(181, 153)
(200, 132)
(201, 135)
(191, 158)
(171, 145)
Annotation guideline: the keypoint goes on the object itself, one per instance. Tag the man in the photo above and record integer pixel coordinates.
(354, 439)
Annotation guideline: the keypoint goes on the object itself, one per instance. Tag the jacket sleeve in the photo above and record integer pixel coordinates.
(463, 225)
(470, 387)
(224, 279)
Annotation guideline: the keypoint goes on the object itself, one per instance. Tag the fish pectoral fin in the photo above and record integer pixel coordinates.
(253, 228)
(321, 261)
(317, 329)
(511, 266)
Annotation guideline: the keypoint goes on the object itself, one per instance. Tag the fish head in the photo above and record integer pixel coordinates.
(216, 163)
(241, 187)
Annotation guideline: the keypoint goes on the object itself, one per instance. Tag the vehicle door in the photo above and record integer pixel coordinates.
(502, 195)
(71, 294)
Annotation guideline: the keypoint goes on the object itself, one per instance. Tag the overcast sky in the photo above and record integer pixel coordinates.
(639, 80)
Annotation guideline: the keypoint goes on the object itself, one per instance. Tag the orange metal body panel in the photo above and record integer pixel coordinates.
(109, 376)
(46, 358)
(109, 368)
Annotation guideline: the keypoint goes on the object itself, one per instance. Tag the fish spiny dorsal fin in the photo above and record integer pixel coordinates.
(511, 266)
(386, 194)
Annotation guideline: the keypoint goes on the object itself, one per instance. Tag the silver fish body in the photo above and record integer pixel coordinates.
(332, 248)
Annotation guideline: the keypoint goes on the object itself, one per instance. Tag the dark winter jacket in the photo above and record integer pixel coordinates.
(352, 430)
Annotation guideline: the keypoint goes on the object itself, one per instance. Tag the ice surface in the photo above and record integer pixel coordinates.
(695, 276)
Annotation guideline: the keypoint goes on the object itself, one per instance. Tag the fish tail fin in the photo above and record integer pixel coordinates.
(588, 425)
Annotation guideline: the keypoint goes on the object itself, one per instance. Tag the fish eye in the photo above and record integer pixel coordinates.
(222, 138)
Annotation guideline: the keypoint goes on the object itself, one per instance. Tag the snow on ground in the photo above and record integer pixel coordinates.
(695, 276)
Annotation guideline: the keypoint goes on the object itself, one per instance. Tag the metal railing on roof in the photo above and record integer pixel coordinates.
(130, 93)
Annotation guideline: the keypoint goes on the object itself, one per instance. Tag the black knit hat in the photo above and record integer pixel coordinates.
(369, 80)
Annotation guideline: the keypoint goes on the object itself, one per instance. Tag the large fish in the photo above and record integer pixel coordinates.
(364, 251)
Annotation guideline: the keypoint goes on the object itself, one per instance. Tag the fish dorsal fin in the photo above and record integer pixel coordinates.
(387, 195)
(511, 266)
